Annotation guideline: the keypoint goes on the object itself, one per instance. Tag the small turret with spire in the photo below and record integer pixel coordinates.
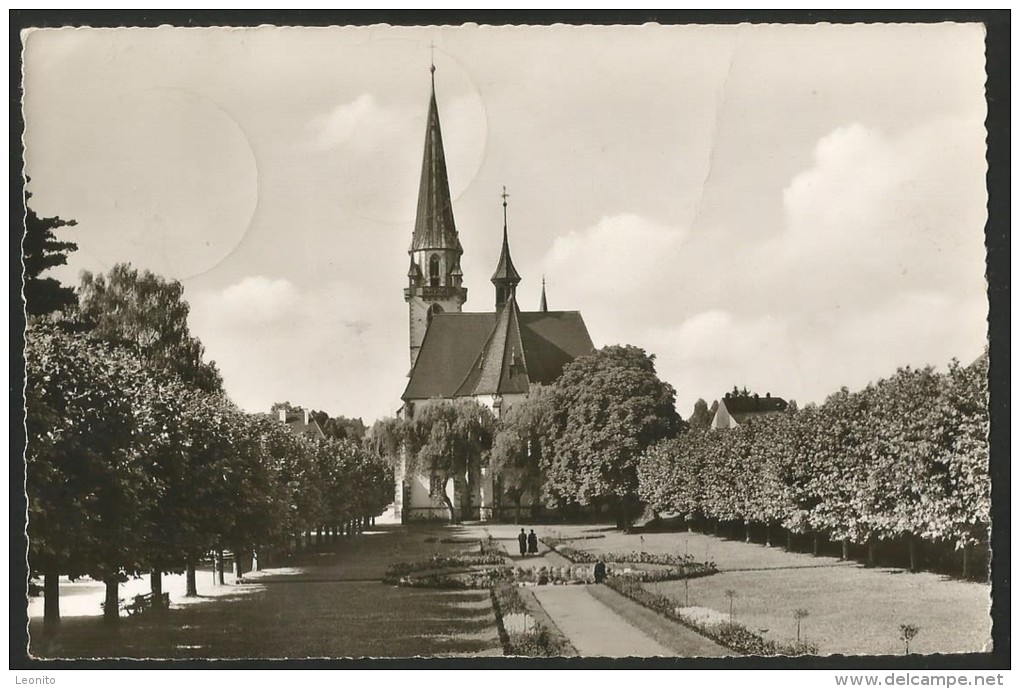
(506, 277)
(544, 305)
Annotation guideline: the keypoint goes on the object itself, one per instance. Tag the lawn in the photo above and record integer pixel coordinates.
(851, 609)
(319, 605)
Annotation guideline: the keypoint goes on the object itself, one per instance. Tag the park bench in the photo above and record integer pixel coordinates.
(141, 603)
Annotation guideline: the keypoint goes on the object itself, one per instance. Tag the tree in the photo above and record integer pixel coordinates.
(41, 250)
(450, 439)
(517, 448)
(340, 427)
(701, 418)
(149, 314)
(386, 439)
(608, 408)
(86, 481)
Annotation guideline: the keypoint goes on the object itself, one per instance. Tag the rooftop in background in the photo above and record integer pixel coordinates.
(299, 422)
(736, 409)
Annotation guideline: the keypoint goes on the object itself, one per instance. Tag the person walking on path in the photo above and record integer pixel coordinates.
(522, 540)
(532, 543)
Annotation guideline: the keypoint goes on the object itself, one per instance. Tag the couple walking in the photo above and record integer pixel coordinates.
(528, 543)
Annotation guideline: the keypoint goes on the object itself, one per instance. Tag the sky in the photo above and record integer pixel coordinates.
(787, 208)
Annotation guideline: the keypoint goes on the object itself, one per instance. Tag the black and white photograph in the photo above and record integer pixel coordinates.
(506, 341)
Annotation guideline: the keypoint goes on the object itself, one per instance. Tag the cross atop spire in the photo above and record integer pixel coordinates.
(504, 196)
(432, 63)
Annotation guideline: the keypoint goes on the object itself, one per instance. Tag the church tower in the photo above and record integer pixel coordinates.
(434, 278)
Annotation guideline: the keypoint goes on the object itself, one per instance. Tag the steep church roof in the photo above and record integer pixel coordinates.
(466, 354)
(500, 366)
(434, 227)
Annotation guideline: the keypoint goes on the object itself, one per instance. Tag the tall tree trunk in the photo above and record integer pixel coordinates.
(814, 544)
(622, 513)
(768, 534)
(715, 528)
(966, 560)
(871, 552)
(111, 608)
(191, 586)
(789, 541)
(51, 598)
(912, 548)
(238, 565)
(747, 531)
(156, 586)
(219, 566)
(846, 549)
(449, 506)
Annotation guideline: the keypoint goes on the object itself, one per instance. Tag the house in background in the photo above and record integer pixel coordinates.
(735, 409)
(299, 422)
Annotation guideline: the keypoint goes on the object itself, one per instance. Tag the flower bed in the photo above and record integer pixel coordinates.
(680, 566)
(400, 569)
(470, 579)
(732, 635)
(541, 576)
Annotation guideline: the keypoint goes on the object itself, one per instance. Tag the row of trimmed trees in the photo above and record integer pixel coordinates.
(137, 462)
(904, 460)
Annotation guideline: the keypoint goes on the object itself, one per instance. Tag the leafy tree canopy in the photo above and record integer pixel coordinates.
(148, 314)
(608, 408)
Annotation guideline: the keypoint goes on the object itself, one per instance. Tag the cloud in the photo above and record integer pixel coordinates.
(369, 149)
(325, 346)
(619, 258)
(878, 263)
(255, 300)
(878, 215)
(360, 124)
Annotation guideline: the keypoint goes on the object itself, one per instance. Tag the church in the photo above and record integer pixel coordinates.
(492, 356)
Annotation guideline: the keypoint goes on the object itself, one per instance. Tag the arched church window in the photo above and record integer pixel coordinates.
(434, 271)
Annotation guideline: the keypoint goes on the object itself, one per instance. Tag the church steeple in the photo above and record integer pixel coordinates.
(544, 306)
(434, 278)
(506, 277)
(434, 227)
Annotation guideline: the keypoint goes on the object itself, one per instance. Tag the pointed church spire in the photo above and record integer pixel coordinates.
(434, 227)
(544, 306)
(506, 277)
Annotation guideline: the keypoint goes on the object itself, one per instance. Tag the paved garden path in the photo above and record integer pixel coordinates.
(594, 629)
